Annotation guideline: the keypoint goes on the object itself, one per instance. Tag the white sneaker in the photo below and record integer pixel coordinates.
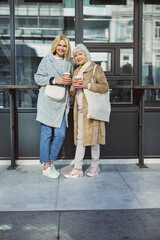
(72, 162)
(49, 173)
(75, 173)
(54, 170)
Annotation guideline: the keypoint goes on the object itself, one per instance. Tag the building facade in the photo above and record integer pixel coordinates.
(122, 36)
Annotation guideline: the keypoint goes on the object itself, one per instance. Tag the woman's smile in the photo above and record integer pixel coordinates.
(61, 49)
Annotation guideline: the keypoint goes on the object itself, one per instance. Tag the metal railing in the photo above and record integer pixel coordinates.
(13, 88)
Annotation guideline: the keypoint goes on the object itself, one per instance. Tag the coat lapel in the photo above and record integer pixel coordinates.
(90, 67)
(55, 65)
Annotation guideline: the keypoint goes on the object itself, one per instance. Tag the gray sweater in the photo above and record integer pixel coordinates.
(50, 112)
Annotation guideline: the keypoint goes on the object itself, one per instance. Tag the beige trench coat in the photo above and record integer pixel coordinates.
(93, 130)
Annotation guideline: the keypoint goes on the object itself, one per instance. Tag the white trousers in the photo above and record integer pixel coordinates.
(80, 149)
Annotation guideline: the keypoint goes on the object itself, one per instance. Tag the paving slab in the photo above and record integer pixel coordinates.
(110, 225)
(135, 224)
(29, 225)
(105, 191)
(25, 189)
(116, 187)
(143, 182)
(2, 168)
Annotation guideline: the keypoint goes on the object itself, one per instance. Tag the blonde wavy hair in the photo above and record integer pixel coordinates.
(55, 43)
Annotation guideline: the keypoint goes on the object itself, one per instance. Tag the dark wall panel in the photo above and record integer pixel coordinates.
(121, 135)
(28, 135)
(68, 148)
(152, 134)
(4, 135)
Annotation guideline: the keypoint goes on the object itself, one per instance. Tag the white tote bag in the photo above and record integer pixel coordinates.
(99, 106)
(54, 92)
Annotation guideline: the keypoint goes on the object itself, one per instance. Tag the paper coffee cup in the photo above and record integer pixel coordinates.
(78, 77)
(66, 75)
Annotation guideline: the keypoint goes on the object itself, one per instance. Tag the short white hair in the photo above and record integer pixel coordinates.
(81, 47)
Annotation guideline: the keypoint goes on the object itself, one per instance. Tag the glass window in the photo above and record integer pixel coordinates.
(157, 29)
(5, 52)
(158, 7)
(108, 23)
(151, 49)
(157, 61)
(121, 96)
(126, 61)
(36, 26)
(103, 59)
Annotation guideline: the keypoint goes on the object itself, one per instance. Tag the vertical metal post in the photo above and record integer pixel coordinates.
(12, 91)
(12, 39)
(141, 130)
(13, 126)
(138, 36)
(78, 21)
(137, 39)
(140, 41)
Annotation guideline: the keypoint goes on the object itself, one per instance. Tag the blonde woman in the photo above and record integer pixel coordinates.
(53, 114)
(87, 132)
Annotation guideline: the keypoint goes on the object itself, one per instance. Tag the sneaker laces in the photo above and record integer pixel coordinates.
(75, 172)
(93, 170)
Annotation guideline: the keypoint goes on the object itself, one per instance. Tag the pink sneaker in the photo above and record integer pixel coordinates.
(93, 171)
(75, 173)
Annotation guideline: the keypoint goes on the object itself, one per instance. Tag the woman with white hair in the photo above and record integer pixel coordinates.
(87, 132)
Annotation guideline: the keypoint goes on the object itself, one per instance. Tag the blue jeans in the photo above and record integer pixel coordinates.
(49, 149)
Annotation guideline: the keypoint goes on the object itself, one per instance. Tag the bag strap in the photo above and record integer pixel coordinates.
(94, 71)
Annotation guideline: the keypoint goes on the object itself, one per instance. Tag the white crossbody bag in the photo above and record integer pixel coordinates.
(99, 106)
(54, 92)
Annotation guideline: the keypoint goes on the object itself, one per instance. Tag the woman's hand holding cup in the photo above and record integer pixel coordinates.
(79, 82)
(67, 78)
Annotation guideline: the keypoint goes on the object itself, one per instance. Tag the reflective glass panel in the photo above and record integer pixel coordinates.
(5, 52)
(36, 26)
(151, 49)
(121, 96)
(103, 59)
(126, 61)
(108, 23)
